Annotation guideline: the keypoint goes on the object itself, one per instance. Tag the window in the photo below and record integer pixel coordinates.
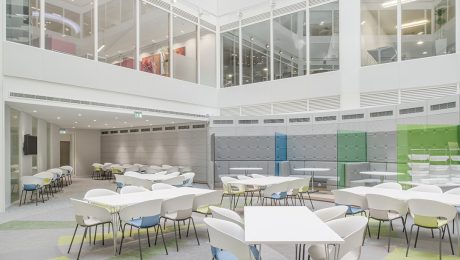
(230, 75)
(256, 52)
(117, 33)
(184, 50)
(289, 36)
(427, 28)
(34, 157)
(154, 40)
(324, 38)
(65, 32)
(14, 154)
(378, 32)
(207, 58)
(23, 22)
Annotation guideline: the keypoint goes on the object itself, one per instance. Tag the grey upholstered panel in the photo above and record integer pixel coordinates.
(312, 147)
(352, 172)
(381, 147)
(250, 148)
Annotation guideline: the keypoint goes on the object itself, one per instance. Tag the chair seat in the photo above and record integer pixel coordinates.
(92, 221)
(279, 195)
(30, 187)
(145, 222)
(317, 252)
(354, 210)
(429, 222)
(204, 210)
(220, 254)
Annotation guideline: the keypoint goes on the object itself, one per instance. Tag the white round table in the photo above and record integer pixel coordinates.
(312, 171)
(382, 175)
(246, 169)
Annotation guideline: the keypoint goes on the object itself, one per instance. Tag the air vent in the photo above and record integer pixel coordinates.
(299, 120)
(105, 132)
(256, 110)
(222, 122)
(156, 129)
(273, 121)
(208, 25)
(354, 116)
(170, 128)
(290, 9)
(185, 15)
(325, 103)
(256, 18)
(443, 106)
(421, 94)
(315, 3)
(248, 122)
(184, 127)
(229, 26)
(295, 106)
(381, 113)
(113, 132)
(373, 99)
(144, 130)
(325, 118)
(199, 126)
(83, 102)
(411, 110)
(160, 4)
(123, 131)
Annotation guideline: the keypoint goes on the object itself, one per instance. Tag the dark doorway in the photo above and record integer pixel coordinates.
(65, 153)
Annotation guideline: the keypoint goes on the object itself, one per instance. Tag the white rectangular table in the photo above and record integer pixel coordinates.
(154, 177)
(312, 170)
(246, 169)
(266, 181)
(286, 225)
(116, 202)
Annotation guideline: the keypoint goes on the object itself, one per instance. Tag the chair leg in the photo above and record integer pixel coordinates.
(404, 229)
(188, 228)
(122, 238)
(148, 236)
(36, 197)
(139, 239)
(175, 235)
(163, 238)
(378, 233)
(416, 237)
(311, 202)
(450, 240)
(71, 242)
(20, 198)
(95, 233)
(196, 235)
(81, 244)
(390, 227)
(156, 233)
(440, 243)
(103, 233)
(410, 238)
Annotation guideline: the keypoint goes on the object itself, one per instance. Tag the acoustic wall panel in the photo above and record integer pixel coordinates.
(245, 148)
(381, 147)
(312, 147)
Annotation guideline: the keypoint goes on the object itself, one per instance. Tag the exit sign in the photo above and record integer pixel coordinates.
(137, 114)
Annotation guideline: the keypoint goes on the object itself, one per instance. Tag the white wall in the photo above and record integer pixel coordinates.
(42, 145)
(54, 143)
(87, 150)
(25, 127)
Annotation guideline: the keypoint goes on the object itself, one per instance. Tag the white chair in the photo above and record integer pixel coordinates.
(88, 215)
(305, 189)
(172, 174)
(68, 174)
(227, 214)
(142, 183)
(175, 181)
(132, 189)
(162, 186)
(188, 179)
(389, 186)
(332, 213)
(231, 190)
(48, 179)
(431, 215)
(202, 203)
(98, 193)
(275, 193)
(254, 175)
(293, 188)
(143, 215)
(454, 191)
(356, 204)
(59, 182)
(132, 168)
(144, 168)
(151, 170)
(120, 181)
(426, 188)
(351, 230)
(114, 169)
(97, 170)
(227, 241)
(131, 174)
(387, 209)
(250, 189)
(34, 185)
(179, 209)
(172, 169)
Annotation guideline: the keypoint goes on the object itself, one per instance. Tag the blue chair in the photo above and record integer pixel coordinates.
(34, 185)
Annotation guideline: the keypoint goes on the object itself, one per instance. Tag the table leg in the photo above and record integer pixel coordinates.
(115, 231)
(458, 235)
(312, 189)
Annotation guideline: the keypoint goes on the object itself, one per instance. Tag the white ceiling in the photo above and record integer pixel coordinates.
(70, 118)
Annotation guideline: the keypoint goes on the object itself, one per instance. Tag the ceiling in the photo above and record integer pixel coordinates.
(70, 118)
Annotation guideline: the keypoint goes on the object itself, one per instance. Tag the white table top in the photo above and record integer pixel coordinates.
(312, 169)
(286, 225)
(264, 181)
(405, 195)
(378, 173)
(246, 168)
(154, 177)
(123, 200)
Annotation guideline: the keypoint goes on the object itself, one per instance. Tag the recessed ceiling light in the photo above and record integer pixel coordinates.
(73, 126)
(424, 53)
(58, 118)
(75, 122)
(89, 125)
(94, 120)
(35, 111)
(151, 124)
(419, 42)
(146, 120)
(125, 122)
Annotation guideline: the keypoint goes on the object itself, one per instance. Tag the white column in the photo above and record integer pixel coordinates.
(4, 149)
(307, 33)
(171, 50)
(42, 24)
(95, 29)
(42, 145)
(350, 53)
(136, 52)
(198, 51)
(219, 73)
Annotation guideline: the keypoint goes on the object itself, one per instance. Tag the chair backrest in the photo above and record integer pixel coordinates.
(243, 177)
(276, 188)
(349, 199)
(254, 175)
(305, 184)
(143, 168)
(389, 186)
(173, 174)
(188, 178)
(98, 193)
(56, 171)
(227, 214)
(151, 170)
(351, 230)
(144, 209)
(32, 180)
(162, 186)
(68, 168)
(85, 210)
(455, 191)
(225, 183)
(129, 180)
(116, 168)
(228, 236)
(107, 166)
(332, 213)
(132, 189)
(97, 166)
(175, 181)
(426, 188)
(120, 178)
(46, 176)
(142, 183)
(182, 205)
(431, 209)
(380, 205)
(208, 199)
(132, 174)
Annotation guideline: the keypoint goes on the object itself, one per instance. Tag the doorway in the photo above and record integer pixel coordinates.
(65, 153)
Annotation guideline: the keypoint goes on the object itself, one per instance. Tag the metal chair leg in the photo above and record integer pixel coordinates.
(122, 238)
(175, 235)
(450, 240)
(416, 237)
(163, 238)
(71, 242)
(390, 227)
(139, 239)
(196, 235)
(410, 239)
(82, 240)
(148, 236)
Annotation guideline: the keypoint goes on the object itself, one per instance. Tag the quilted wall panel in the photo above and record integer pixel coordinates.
(245, 148)
(312, 147)
(381, 147)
